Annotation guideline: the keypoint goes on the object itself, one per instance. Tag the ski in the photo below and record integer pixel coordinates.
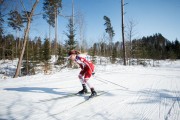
(90, 98)
(71, 95)
(83, 102)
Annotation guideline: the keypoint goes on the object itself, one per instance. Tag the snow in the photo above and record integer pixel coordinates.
(131, 93)
(7, 67)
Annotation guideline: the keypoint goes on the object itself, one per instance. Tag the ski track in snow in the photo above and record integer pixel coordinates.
(135, 93)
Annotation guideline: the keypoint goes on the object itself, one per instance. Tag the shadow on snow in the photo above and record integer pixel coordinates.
(150, 96)
(37, 90)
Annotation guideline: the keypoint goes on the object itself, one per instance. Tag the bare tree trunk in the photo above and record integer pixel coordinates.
(56, 29)
(19, 46)
(122, 13)
(3, 52)
(50, 36)
(80, 22)
(27, 58)
(26, 33)
(131, 33)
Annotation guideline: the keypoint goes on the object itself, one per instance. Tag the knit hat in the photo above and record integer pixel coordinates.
(73, 52)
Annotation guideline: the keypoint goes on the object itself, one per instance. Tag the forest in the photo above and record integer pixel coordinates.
(32, 51)
(151, 47)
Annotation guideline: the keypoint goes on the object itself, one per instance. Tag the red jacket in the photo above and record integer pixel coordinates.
(84, 64)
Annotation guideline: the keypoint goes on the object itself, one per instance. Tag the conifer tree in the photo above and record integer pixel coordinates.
(61, 55)
(94, 53)
(1, 25)
(109, 28)
(70, 44)
(51, 11)
(110, 31)
(46, 51)
(38, 50)
(114, 55)
(15, 20)
(177, 48)
(9, 46)
(46, 55)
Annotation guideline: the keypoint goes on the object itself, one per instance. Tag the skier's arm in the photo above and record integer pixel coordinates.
(81, 67)
(87, 64)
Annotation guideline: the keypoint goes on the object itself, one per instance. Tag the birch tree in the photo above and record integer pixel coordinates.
(130, 34)
(26, 33)
(80, 23)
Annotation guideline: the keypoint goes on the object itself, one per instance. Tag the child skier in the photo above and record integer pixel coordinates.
(87, 68)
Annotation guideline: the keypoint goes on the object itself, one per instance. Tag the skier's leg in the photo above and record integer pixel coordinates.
(86, 80)
(84, 90)
(81, 79)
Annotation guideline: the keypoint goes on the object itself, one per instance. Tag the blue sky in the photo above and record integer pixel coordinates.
(150, 17)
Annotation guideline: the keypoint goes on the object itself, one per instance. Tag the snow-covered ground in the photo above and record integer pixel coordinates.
(131, 93)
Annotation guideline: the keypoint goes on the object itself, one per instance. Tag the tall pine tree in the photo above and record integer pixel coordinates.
(15, 20)
(70, 43)
(110, 31)
(51, 11)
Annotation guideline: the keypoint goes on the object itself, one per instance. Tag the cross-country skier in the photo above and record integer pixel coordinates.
(87, 68)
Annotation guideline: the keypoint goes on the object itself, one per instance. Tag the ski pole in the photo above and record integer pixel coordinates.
(100, 79)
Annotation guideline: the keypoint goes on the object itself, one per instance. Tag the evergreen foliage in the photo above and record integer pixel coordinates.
(46, 51)
(38, 50)
(114, 55)
(70, 43)
(151, 47)
(15, 20)
(154, 47)
(1, 24)
(61, 55)
(110, 31)
(50, 7)
(109, 28)
(46, 55)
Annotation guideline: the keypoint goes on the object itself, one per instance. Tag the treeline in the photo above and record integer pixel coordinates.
(154, 47)
(37, 52)
(150, 47)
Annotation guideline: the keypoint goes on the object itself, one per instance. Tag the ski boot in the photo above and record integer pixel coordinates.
(84, 90)
(93, 93)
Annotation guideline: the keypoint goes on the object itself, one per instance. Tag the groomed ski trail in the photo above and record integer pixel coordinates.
(153, 93)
